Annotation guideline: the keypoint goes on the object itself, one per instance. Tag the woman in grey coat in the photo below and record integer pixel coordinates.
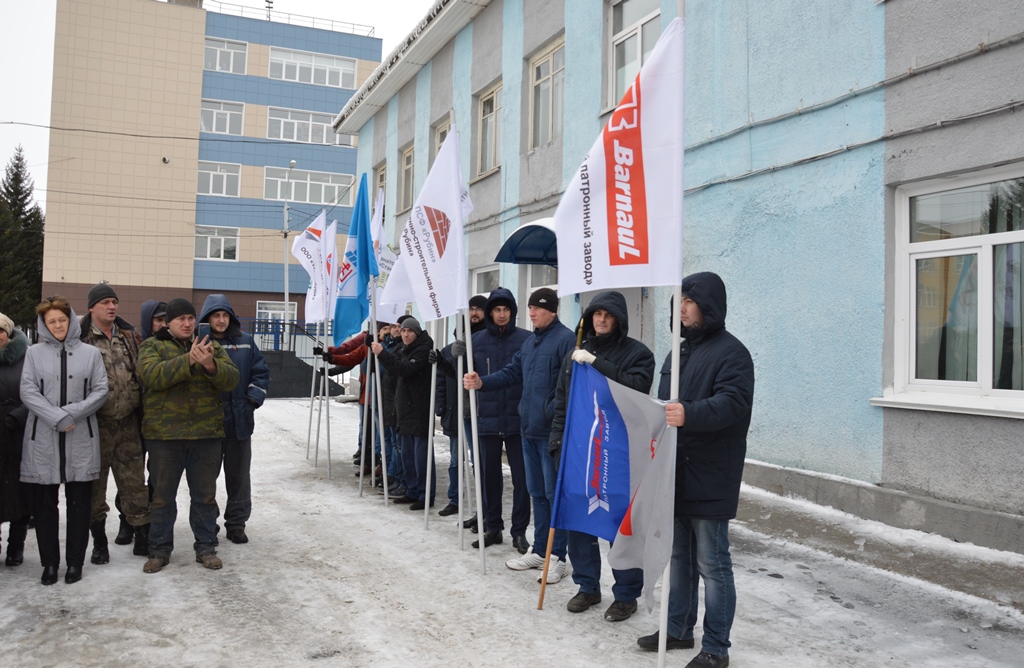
(63, 384)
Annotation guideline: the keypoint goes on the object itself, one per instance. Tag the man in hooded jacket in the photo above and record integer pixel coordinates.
(240, 405)
(606, 347)
(711, 409)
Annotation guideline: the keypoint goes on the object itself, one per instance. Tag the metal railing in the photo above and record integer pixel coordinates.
(290, 19)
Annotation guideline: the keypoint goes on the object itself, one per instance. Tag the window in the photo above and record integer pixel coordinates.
(304, 126)
(405, 188)
(382, 179)
(485, 280)
(275, 310)
(223, 56)
(221, 117)
(548, 72)
(312, 68)
(218, 178)
(537, 276)
(489, 155)
(309, 187)
(635, 28)
(216, 243)
(960, 290)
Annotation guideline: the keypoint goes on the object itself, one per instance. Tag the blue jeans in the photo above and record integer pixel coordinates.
(540, 480)
(200, 461)
(700, 548)
(414, 456)
(585, 555)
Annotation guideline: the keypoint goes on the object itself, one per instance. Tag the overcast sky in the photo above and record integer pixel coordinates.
(26, 46)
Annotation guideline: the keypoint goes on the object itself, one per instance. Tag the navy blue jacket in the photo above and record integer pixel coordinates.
(535, 368)
(716, 388)
(240, 403)
(493, 350)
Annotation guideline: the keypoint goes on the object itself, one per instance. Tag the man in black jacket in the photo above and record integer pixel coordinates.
(608, 348)
(711, 408)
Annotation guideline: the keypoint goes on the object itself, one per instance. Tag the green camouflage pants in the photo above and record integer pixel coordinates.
(121, 450)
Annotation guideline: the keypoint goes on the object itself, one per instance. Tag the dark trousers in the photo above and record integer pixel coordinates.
(237, 457)
(493, 482)
(200, 461)
(414, 455)
(78, 496)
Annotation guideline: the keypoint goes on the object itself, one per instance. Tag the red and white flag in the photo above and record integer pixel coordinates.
(308, 249)
(620, 221)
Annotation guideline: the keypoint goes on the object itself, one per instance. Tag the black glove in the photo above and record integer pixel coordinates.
(10, 423)
(368, 339)
(327, 357)
(432, 356)
(459, 348)
(318, 350)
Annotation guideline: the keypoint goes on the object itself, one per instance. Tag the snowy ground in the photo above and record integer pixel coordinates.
(333, 579)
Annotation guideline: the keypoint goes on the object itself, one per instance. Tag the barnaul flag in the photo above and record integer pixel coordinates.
(619, 223)
(352, 307)
(308, 249)
(616, 479)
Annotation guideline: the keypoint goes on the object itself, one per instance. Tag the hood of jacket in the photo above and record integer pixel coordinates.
(146, 325)
(15, 349)
(614, 303)
(500, 294)
(220, 303)
(74, 332)
(708, 291)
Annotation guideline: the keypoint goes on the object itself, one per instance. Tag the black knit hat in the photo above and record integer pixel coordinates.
(478, 301)
(403, 318)
(413, 324)
(179, 307)
(99, 292)
(544, 298)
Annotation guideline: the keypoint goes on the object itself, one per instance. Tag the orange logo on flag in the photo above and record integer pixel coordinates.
(625, 190)
(440, 225)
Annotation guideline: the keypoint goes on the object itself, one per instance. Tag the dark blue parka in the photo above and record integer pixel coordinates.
(493, 350)
(253, 375)
(716, 388)
(535, 368)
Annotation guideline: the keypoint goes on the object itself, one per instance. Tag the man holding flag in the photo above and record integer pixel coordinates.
(609, 350)
(711, 409)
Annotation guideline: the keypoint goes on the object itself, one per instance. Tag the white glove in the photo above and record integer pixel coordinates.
(584, 356)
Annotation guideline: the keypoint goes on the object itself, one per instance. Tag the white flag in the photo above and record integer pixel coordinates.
(308, 250)
(377, 223)
(330, 252)
(620, 222)
(431, 248)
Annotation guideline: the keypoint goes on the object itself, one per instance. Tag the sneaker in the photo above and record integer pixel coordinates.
(470, 523)
(419, 505)
(705, 660)
(209, 560)
(490, 538)
(557, 570)
(620, 611)
(404, 499)
(521, 544)
(237, 535)
(155, 564)
(582, 601)
(525, 562)
(450, 509)
(650, 643)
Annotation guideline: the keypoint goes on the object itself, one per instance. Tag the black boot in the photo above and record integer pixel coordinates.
(100, 552)
(141, 541)
(125, 533)
(16, 543)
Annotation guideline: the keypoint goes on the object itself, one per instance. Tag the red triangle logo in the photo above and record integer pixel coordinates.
(440, 225)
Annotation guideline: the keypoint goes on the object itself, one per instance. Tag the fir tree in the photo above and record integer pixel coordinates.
(21, 244)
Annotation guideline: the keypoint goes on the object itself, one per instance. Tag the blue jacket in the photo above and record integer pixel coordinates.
(716, 388)
(535, 369)
(493, 350)
(253, 375)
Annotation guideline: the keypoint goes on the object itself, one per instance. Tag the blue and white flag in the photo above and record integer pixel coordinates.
(352, 306)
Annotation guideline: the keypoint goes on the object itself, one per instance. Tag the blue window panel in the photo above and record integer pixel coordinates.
(248, 277)
(264, 214)
(287, 36)
(274, 93)
(260, 152)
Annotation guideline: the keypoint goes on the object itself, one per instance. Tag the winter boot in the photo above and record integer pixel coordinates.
(16, 543)
(100, 552)
(141, 548)
(125, 533)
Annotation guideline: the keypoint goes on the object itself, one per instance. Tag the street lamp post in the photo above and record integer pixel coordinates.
(287, 196)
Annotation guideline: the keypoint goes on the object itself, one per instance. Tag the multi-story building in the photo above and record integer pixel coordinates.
(854, 171)
(174, 126)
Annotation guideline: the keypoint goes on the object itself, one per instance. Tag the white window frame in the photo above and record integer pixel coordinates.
(634, 29)
(292, 65)
(300, 185)
(441, 131)
(265, 309)
(226, 49)
(381, 180)
(223, 234)
(555, 108)
(219, 110)
(494, 94)
(476, 275)
(406, 183)
(973, 397)
(298, 125)
(220, 174)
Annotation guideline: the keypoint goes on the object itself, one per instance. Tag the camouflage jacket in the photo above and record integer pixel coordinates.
(181, 401)
(120, 356)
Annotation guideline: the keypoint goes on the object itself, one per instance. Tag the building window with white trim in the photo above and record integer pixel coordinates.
(223, 118)
(405, 188)
(485, 279)
(300, 185)
(219, 178)
(960, 285)
(635, 28)
(547, 91)
(489, 131)
(224, 56)
(312, 68)
(441, 131)
(382, 180)
(308, 127)
(216, 243)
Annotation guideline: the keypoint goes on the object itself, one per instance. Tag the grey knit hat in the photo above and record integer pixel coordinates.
(99, 292)
(413, 324)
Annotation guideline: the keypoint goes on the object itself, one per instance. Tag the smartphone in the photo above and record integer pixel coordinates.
(202, 331)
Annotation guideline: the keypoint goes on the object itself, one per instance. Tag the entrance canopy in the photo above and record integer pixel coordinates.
(532, 243)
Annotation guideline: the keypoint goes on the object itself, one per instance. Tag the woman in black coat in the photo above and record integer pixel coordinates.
(14, 506)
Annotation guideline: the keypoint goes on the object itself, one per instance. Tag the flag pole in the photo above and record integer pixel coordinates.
(476, 449)
(312, 389)
(430, 432)
(380, 394)
(327, 402)
(555, 505)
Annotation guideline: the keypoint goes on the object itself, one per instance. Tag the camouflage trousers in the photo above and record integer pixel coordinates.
(121, 451)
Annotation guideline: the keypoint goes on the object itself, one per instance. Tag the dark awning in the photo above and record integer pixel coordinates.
(532, 243)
